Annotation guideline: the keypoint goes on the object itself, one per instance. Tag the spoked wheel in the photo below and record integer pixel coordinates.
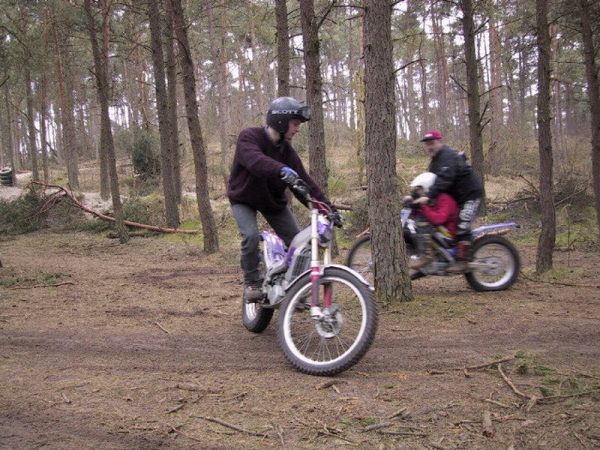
(254, 317)
(360, 258)
(340, 336)
(495, 265)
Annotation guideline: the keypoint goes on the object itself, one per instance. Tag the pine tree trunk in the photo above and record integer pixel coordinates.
(101, 55)
(475, 128)
(209, 227)
(392, 279)
(64, 78)
(164, 123)
(547, 237)
(314, 93)
(170, 43)
(283, 49)
(591, 71)
(219, 58)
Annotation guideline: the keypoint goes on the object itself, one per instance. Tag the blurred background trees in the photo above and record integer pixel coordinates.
(468, 68)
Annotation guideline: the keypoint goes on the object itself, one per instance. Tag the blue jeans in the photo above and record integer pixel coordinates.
(283, 223)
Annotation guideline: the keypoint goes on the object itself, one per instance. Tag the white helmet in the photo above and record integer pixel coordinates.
(425, 180)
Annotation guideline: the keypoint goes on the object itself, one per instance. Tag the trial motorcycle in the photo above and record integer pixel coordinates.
(494, 267)
(327, 312)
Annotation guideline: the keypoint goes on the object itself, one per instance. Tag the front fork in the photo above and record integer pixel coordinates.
(316, 311)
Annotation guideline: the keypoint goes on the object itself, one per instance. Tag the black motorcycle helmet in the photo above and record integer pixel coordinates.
(284, 109)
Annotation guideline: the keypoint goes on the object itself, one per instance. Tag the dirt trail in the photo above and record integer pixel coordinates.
(141, 346)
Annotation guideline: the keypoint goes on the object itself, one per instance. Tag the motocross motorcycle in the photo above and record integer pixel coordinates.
(495, 265)
(327, 312)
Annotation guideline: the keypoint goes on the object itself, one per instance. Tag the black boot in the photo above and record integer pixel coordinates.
(463, 257)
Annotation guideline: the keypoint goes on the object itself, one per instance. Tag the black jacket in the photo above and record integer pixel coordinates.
(454, 176)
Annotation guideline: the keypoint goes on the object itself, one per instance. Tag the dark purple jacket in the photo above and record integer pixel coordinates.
(255, 179)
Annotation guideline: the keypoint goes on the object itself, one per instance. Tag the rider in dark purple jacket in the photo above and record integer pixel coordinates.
(264, 165)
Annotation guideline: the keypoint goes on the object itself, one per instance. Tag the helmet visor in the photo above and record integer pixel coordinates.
(302, 113)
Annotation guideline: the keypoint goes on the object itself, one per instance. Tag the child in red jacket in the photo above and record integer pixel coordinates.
(441, 211)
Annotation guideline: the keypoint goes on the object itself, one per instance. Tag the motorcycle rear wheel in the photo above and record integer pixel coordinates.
(336, 341)
(254, 317)
(360, 258)
(496, 264)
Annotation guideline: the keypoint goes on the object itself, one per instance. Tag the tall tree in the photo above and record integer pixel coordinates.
(314, 91)
(219, 57)
(546, 242)
(283, 49)
(171, 61)
(164, 120)
(391, 273)
(209, 227)
(107, 146)
(591, 71)
(473, 100)
(64, 78)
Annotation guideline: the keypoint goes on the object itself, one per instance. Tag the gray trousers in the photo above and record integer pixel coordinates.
(466, 217)
(283, 223)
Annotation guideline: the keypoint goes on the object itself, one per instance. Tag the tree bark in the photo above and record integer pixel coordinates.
(591, 71)
(392, 278)
(495, 92)
(475, 127)
(164, 122)
(283, 49)
(170, 43)
(64, 78)
(209, 227)
(218, 56)
(101, 54)
(314, 93)
(547, 237)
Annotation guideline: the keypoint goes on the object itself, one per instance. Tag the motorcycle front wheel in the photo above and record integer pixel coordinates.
(360, 259)
(496, 264)
(339, 337)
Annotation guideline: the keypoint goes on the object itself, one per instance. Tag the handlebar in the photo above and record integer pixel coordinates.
(303, 191)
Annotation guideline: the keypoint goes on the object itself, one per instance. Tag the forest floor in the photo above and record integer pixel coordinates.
(141, 346)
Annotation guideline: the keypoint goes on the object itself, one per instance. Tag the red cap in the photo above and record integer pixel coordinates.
(431, 135)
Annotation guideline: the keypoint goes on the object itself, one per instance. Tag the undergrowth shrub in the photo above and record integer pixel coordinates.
(23, 215)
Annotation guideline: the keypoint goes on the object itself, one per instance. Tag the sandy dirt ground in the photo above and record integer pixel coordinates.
(141, 346)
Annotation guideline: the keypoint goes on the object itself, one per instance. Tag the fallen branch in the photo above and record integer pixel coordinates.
(563, 397)
(378, 426)
(483, 366)
(42, 285)
(182, 433)
(532, 400)
(488, 429)
(162, 328)
(233, 427)
(112, 219)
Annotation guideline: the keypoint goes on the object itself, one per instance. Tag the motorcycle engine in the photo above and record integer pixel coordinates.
(275, 292)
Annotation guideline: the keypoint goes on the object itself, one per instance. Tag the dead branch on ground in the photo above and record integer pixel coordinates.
(81, 206)
(42, 285)
(233, 427)
(182, 433)
(488, 428)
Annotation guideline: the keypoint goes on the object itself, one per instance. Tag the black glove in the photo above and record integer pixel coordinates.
(300, 188)
(337, 219)
(288, 176)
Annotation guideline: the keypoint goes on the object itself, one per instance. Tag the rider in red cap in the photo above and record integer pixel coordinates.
(456, 178)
